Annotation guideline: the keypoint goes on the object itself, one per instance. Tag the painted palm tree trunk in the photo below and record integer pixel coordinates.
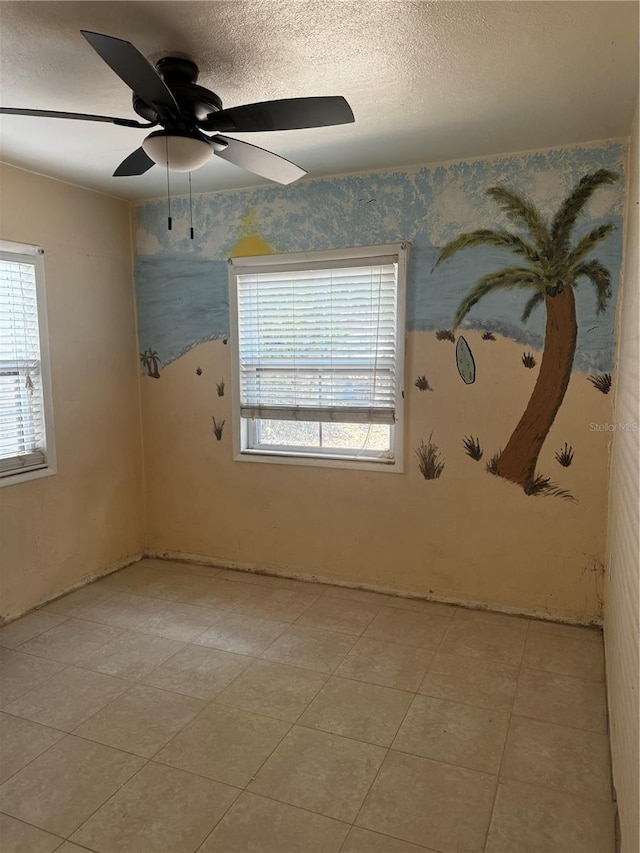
(518, 460)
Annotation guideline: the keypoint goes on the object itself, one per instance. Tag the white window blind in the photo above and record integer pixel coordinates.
(318, 342)
(22, 417)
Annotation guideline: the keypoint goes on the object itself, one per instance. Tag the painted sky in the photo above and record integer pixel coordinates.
(182, 284)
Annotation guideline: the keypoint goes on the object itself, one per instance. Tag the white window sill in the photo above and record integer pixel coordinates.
(24, 476)
(275, 457)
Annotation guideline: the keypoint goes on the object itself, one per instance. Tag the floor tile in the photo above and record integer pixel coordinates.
(19, 837)
(565, 656)
(75, 603)
(28, 627)
(425, 802)
(311, 648)
(185, 569)
(489, 617)
(478, 639)
(387, 664)
(182, 622)
(123, 610)
(412, 629)
(569, 632)
(375, 599)
(465, 735)
(198, 671)
(291, 584)
(561, 699)
(132, 655)
(246, 635)
(74, 641)
(91, 773)
(160, 584)
(364, 841)
(337, 614)
(115, 581)
(256, 824)
(321, 772)
(273, 689)
(21, 741)
(282, 605)
(225, 744)
(239, 576)
(358, 710)
(68, 698)
(160, 810)
(558, 757)
(420, 605)
(486, 683)
(21, 673)
(530, 819)
(142, 720)
(211, 592)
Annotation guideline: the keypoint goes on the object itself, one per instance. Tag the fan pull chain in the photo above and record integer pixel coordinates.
(169, 222)
(190, 209)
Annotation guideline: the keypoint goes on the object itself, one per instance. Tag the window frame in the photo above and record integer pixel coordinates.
(31, 254)
(320, 457)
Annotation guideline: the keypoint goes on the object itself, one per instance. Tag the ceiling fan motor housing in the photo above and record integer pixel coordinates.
(195, 102)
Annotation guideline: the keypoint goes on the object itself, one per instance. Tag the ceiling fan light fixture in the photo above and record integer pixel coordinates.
(186, 153)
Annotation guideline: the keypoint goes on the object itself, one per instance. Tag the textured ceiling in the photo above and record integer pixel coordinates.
(427, 81)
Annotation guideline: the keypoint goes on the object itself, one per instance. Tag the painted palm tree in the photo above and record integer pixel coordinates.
(552, 269)
(150, 361)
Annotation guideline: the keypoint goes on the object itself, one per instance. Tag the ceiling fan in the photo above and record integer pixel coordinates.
(169, 96)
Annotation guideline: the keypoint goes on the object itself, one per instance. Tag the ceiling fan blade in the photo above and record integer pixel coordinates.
(257, 160)
(287, 114)
(81, 116)
(135, 164)
(132, 67)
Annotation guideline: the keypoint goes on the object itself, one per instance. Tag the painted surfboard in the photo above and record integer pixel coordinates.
(464, 361)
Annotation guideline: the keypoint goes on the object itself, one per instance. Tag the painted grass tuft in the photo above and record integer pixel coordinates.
(488, 336)
(220, 388)
(542, 485)
(565, 455)
(528, 360)
(429, 461)
(472, 447)
(217, 428)
(491, 464)
(422, 384)
(601, 381)
(445, 335)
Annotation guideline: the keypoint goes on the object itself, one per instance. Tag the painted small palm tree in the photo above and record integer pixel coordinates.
(553, 269)
(150, 362)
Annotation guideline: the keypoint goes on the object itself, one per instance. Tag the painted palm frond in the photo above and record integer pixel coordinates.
(487, 237)
(508, 278)
(532, 304)
(587, 244)
(600, 277)
(523, 213)
(570, 209)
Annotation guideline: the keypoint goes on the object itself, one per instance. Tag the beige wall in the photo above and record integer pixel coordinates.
(57, 531)
(622, 592)
(467, 536)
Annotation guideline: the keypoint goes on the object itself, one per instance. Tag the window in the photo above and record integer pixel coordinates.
(26, 440)
(318, 362)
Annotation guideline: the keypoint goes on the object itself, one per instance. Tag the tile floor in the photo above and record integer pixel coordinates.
(172, 708)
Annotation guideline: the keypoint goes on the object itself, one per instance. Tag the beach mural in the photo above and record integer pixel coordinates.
(512, 280)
